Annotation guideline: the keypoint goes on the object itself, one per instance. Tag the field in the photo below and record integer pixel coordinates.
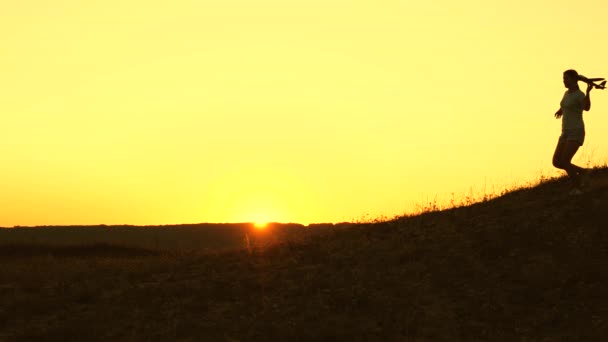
(529, 265)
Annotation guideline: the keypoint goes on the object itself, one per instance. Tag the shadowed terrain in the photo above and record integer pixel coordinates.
(527, 266)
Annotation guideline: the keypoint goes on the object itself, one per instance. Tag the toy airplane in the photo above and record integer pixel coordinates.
(592, 81)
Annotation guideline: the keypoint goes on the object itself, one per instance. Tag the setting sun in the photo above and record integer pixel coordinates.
(260, 224)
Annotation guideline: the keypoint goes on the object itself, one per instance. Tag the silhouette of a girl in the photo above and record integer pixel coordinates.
(573, 129)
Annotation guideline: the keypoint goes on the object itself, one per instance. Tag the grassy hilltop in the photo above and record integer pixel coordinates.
(530, 265)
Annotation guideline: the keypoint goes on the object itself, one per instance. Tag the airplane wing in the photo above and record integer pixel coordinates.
(592, 81)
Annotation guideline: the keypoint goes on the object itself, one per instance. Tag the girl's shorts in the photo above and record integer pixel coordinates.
(576, 134)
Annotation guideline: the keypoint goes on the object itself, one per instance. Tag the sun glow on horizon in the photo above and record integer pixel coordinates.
(260, 225)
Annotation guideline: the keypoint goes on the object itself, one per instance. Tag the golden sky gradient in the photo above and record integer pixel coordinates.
(158, 112)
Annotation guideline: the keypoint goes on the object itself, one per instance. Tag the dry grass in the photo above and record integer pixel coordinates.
(527, 266)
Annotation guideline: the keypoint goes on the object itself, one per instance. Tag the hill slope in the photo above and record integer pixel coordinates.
(528, 266)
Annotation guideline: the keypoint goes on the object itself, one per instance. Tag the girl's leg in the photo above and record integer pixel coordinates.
(570, 148)
(557, 155)
(565, 161)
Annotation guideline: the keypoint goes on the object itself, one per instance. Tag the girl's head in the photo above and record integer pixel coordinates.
(571, 79)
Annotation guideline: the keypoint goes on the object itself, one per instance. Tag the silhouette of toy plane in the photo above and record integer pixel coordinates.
(592, 81)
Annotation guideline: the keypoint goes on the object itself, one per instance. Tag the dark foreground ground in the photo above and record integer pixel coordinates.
(531, 265)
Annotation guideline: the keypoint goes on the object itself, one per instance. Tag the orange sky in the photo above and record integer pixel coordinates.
(144, 112)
